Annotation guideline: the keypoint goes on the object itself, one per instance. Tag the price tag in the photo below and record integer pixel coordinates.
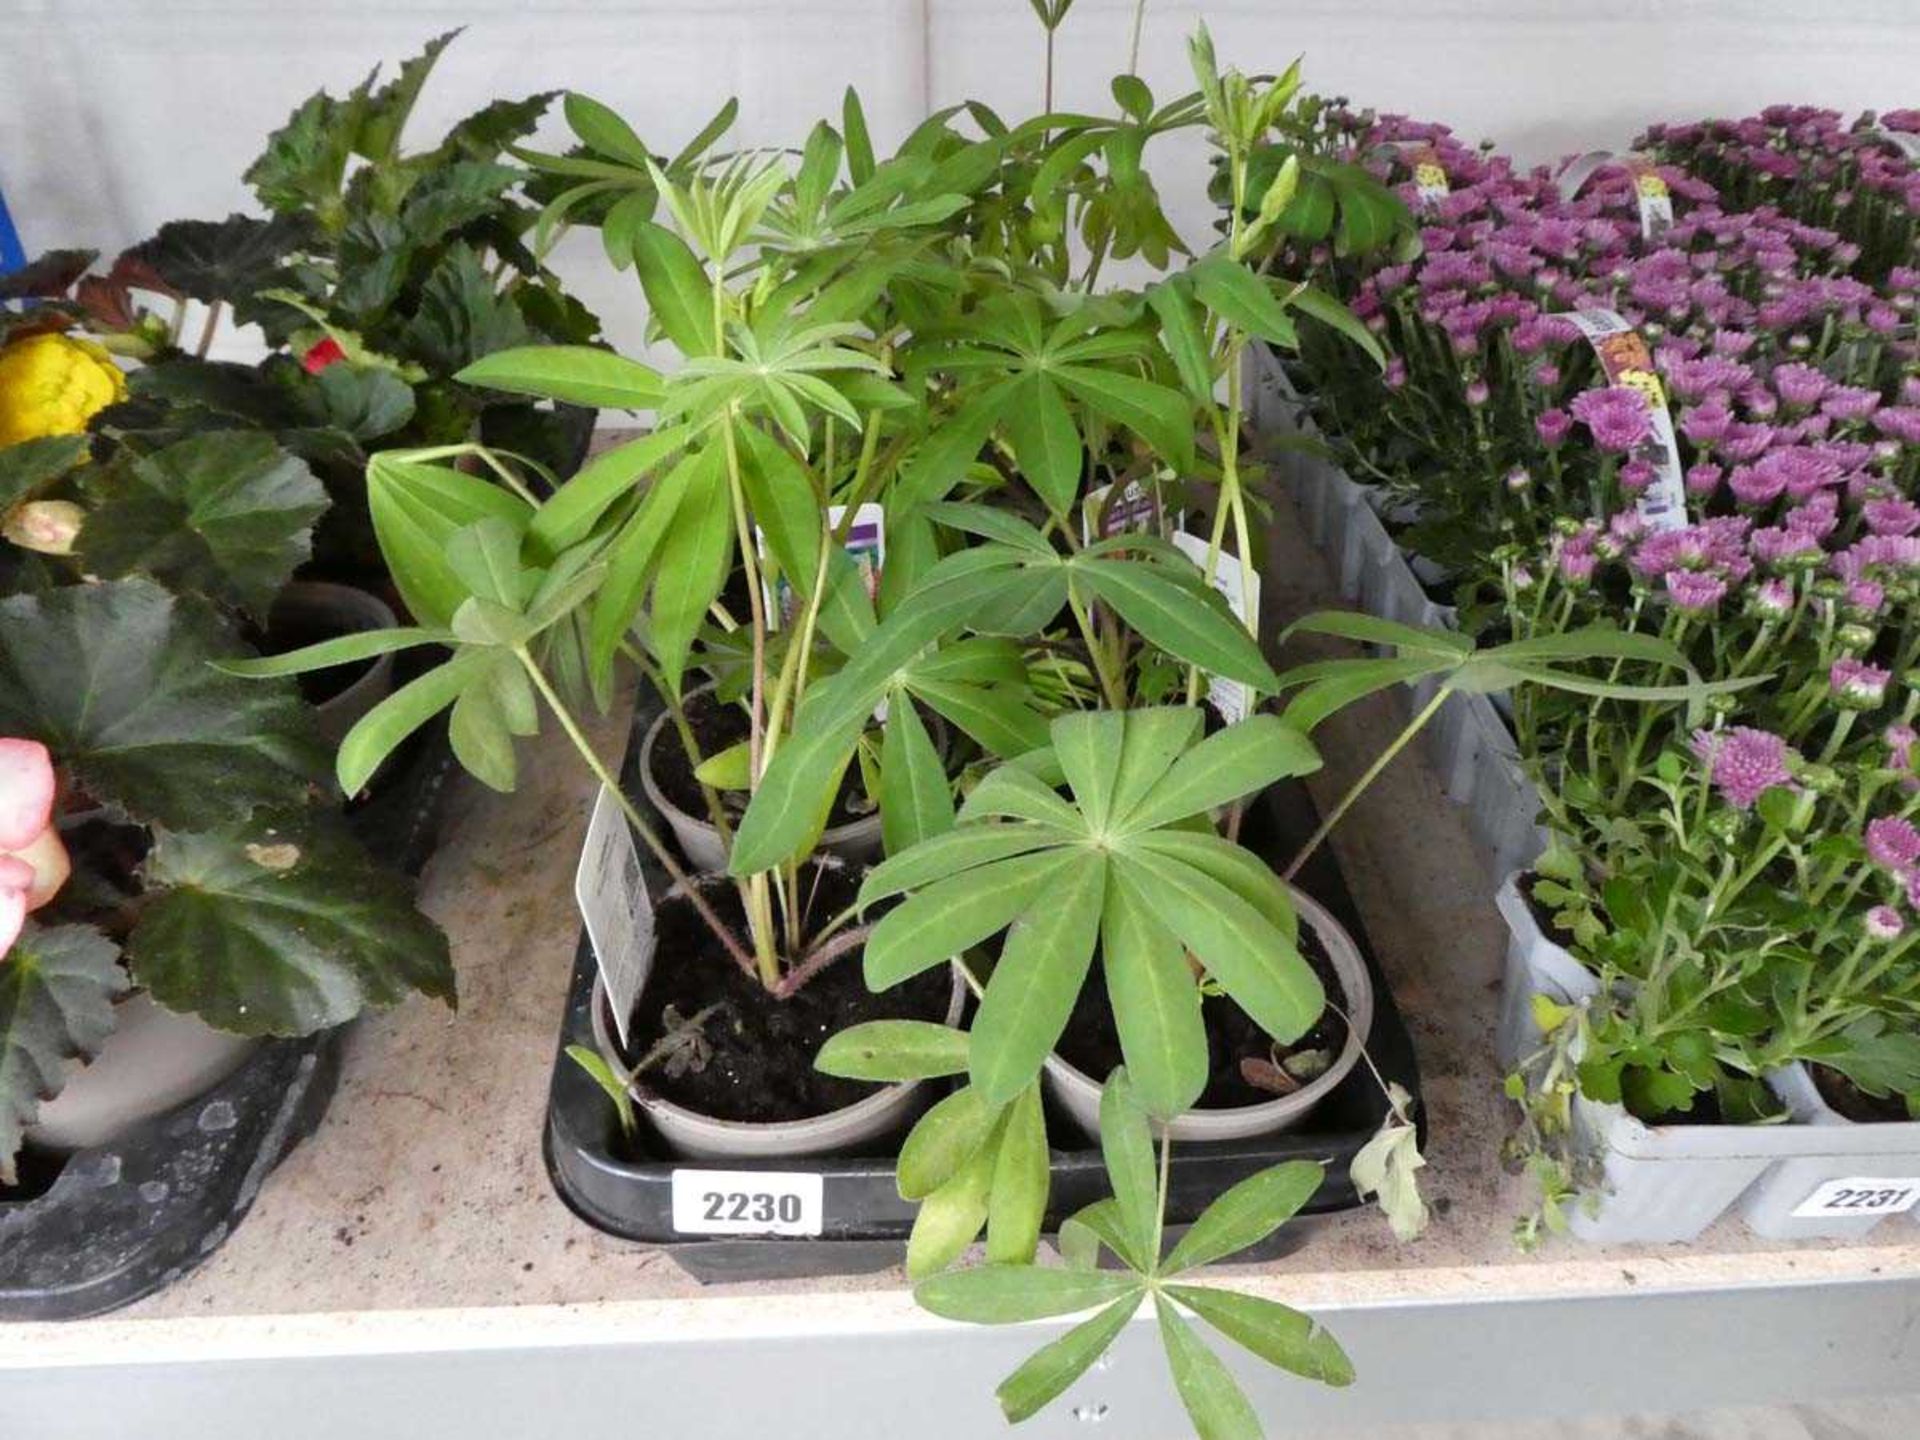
(612, 895)
(1858, 1197)
(1625, 359)
(1240, 588)
(747, 1202)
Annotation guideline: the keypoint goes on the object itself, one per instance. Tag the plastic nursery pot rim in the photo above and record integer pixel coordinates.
(356, 611)
(1079, 1094)
(698, 1136)
(700, 838)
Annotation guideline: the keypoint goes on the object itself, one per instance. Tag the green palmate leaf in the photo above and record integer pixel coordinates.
(1160, 416)
(700, 539)
(1234, 866)
(578, 374)
(1088, 747)
(1156, 1005)
(1241, 759)
(31, 465)
(1214, 1402)
(1088, 1228)
(894, 1050)
(1018, 794)
(1331, 312)
(57, 988)
(950, 916)
(1002, 718)
(1154, 739)
(679, 292)
(570, 515)
(229, 260)
(1009, 1294)
(366, 401)
(784, 504)
(1243, 299)
(937, 464)
(949, 1219)
(943, 1140)
(1375, 630)
(952, 853)
(633, 554)
(1276, 1333)
(1355, 680)
(417, 509)
(462, 316)
(1017, 1204)
(1181, 333)
(600, 129)
(1257, 963)
(116, 679)
(382, 730)
(1126, 1144)
(341, 650)
(228, 514)
(1246, 1214)
(1046, 1374)
(915, 803)
(1042, 966)
(280, 924)
(1046, 442)
(1177, 620)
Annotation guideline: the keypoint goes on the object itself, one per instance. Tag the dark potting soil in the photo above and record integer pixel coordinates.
(1854, 1103)
(1542, 916)
(1091, 1043)
(715, 726)
(759, 1050)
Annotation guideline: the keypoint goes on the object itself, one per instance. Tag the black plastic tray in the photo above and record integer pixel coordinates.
(107, 1226)
(865, 1222)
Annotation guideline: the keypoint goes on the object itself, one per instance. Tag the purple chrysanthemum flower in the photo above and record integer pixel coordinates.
(1707, 423)
(1552, 427)
(1865, 597)
(1744, 763)
(1892, 516)
(1856, 684)
(1848, 402)
(1893, 844)
(1704, 479)
(1773, 599)
(1799, 386)
(1883, 922)
(1899, 741)
(1695, 591)
(1617, 416)
(1757, 485)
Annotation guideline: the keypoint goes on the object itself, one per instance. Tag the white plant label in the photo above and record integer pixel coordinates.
(747, 1202)
(1859, 1196)
(1137, 508)
(612, 894)
(1240, 588)
(1905, 141)
(1626, 362)
(866, 544)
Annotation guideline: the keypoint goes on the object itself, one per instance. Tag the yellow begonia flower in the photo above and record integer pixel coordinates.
(53, 385)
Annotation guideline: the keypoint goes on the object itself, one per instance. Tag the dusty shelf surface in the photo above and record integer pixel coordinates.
(421, 1210)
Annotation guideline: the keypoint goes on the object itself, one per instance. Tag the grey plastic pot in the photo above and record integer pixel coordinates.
(317, 605)
(1078, 1093)
(694, 1136)
(153, 1061)
(858, 841)
(1833, 1148)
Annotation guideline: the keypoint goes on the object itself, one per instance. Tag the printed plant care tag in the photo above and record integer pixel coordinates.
(1429, 175)
(1655, 200)
(1905, 141)
(748, 1202)
(612, 893)
(1137, 508)
(1858, 1198)
(1624, 356)
(866, 543)
(1240, 588)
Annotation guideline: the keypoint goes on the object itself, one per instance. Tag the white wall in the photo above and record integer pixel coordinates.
(118, 114)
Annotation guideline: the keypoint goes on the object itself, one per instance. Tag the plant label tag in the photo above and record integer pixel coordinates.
(866, 544)
(1137, 508)
(612, 894)
(747, 1202)
(1626, 362)
(1240, 587)
(1858, 1197)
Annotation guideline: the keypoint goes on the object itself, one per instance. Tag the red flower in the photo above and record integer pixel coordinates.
(326, 352)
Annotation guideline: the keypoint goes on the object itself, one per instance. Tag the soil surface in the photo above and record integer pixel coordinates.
(715, 726)
(1854, 1103)
(759, 1061)
(1091, 1043)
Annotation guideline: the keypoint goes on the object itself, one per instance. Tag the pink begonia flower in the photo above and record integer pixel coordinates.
(33, 862)
(1744, 763)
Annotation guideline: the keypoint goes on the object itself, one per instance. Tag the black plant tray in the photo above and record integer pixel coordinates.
(626, 1190)
(101, 1228)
